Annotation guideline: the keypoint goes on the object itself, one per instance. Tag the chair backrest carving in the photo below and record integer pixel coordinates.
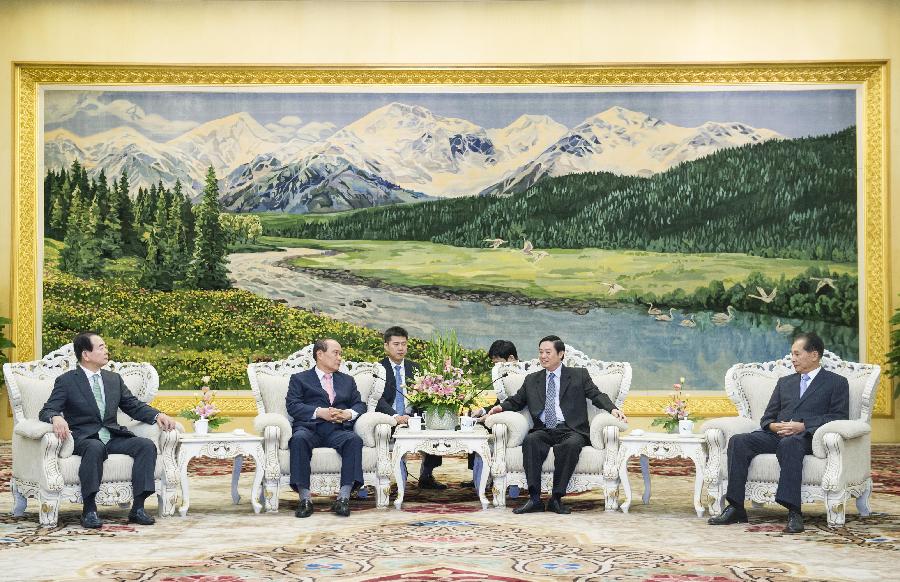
(29, 383)
(750, 386)
(612, 378)
(269, 380)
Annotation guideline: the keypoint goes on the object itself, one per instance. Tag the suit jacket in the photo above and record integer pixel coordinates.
(386, 402)
(826, 398)
(305, 394)
(575, 386)
(73, 398)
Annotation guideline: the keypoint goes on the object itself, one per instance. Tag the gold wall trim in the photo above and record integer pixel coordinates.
(869, 76)
(230, 406)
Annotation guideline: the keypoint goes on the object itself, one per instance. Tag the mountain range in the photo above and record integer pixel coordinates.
(396, 153)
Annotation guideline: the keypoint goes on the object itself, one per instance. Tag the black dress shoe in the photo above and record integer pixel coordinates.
(91, 520)
(305, 509)
(731, 515)
(430, 482)
(341, 507)
(794, 523)
(556, 505)
(140, 517)
(529, 507)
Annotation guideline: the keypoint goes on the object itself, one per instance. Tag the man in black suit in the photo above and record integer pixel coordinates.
(801, 403)
(399, 372)
(556, 398)
(324, 404)
(84, 403)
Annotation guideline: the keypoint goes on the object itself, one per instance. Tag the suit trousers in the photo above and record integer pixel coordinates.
(790, 450)
(347, 443)
(93, 453)
(566, 445)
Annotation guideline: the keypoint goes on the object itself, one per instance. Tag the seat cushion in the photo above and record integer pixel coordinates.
(115, 468)
(325, 460)
(765, 469)
(590, 461)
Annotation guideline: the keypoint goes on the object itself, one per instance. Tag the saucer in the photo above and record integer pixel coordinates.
(637, 432)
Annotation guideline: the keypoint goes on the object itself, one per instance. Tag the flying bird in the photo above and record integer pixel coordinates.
(538, 255)
(495, 242)
(763, 296)
(612, 288)
(823, 282)
(527, 247)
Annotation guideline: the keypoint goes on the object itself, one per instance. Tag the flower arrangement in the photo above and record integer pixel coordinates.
(205, 409)
(676, 410)
(445, 380)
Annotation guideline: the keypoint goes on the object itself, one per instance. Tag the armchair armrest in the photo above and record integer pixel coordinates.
(730, 426)
(277, 421)
(599, 423)
(848, 429)
(516, 426)
(367, 422)
(32, 428)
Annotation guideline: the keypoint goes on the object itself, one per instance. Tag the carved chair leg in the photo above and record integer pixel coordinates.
(862, 502)
(20, 502)
(499, 490)
(270, 491)
(49, 513)
(382, 492)
(835, 506)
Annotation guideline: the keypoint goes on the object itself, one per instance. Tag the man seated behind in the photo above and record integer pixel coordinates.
(324, 404)
(801, 403)
(556, 398)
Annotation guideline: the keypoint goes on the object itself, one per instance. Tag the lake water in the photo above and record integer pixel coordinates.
(659, 352)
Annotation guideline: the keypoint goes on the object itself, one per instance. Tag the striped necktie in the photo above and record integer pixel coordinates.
(550, 420)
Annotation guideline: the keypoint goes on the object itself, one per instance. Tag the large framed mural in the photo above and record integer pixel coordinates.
(679, 217)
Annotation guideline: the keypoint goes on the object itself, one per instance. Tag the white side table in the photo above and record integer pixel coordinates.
(221, 446)
(659, 445)
(441, 442)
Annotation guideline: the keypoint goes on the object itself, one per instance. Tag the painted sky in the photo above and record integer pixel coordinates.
(165, 114)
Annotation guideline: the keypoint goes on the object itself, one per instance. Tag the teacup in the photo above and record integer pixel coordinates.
(466, 423)
(415, 423)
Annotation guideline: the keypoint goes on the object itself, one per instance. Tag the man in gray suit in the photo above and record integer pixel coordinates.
(800, 404)
(557, 399)
(84, 403)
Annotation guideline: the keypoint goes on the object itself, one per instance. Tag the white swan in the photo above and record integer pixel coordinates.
(495, 242)
(666, 317)
(723, 318)
(783, 327)
(653, 310)
(688, 322)
(613, 287)
(763, 296)
(823, 282)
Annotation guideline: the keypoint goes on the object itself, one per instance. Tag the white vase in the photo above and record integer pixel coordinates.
(440, 418)
(201, 426)
(685, 427)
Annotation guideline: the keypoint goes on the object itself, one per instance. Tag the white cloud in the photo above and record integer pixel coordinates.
(67, 106)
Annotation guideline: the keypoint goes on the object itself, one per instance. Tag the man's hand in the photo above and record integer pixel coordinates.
(402, 419)
(165, 421)
(790, 428)
(494, 410)
(339, 416)
(324, 414)
(478, 413)
(619, 414)
(60, 428)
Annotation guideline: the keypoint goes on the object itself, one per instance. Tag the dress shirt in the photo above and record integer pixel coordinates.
(321, 375)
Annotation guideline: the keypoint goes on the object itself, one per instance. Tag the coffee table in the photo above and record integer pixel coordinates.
(441, 442)
(658, 445)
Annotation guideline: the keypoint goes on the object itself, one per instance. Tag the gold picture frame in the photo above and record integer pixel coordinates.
(868, 77)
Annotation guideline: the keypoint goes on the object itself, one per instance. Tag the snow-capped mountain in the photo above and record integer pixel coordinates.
(628, 142)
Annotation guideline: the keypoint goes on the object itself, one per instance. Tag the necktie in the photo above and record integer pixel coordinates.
(399, 400)
(550, 406)
(804, 383)
(329, 387)
(95, 388)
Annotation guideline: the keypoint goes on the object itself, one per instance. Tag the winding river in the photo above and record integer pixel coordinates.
(659, 352)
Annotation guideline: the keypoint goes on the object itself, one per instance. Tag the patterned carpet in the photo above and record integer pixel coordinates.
(445, 536)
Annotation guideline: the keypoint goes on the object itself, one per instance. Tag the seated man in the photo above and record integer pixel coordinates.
(84, 403)
(398, 373)
(556, 398)
(801, 403)
(324, 404)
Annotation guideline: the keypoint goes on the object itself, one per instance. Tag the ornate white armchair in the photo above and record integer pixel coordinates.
(596, 467)
(269, 381)
(44, 467)
(840, 464)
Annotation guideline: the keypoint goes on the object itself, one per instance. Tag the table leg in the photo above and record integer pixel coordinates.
(255, 491)
(626, 484)
(398, 475)
(235, 475)
(185, 488)
(698, 483)
(485, 455)
(645, 472)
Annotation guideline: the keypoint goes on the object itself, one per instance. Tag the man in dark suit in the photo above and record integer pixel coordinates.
(83, 403)
(324, 404)
(801, 403)
(399, 372)
(556, 398)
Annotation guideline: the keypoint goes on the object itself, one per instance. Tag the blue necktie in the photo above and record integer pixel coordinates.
(550, 420)
(399, 400)
(804, 383)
